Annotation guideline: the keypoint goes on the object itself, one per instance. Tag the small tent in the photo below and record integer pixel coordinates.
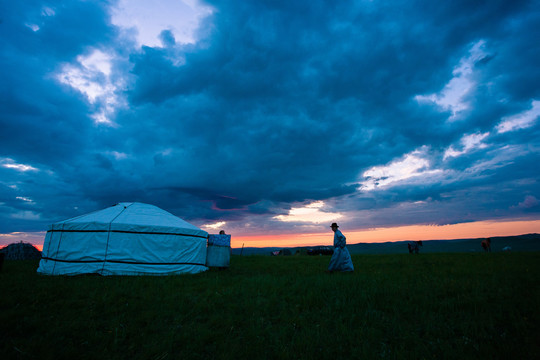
(21, 251)
(124, 239)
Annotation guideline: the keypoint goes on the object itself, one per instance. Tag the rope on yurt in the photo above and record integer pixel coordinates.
(58, 248)
(109, 236)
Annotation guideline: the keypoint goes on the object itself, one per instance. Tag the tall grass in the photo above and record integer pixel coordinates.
(440, 306)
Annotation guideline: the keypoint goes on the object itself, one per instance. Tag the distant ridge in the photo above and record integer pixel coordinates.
(526, 242)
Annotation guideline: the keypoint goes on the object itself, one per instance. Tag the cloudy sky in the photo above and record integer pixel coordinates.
(271, 117)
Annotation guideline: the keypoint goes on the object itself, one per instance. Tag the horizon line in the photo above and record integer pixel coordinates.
(470, 230)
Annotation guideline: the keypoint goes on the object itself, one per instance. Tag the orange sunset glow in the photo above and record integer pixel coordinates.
(477, 229)
(413, 232)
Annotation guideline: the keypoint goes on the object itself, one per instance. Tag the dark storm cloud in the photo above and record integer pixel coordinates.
(43, 124)
(277, 103)
(41, 121)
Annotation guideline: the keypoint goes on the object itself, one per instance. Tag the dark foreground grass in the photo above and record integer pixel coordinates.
(428, 306)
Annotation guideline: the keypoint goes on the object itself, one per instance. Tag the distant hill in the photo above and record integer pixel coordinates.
(528, 242)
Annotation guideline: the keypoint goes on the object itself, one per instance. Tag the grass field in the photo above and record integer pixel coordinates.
(427, 306)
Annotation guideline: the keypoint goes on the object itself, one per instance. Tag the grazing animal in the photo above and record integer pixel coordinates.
(414, 247)
(486, 245)
(507, 248)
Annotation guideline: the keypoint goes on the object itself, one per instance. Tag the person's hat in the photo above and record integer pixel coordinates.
(334, 224)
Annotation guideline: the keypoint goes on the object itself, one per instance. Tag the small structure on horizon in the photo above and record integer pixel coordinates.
(282, 252)
(320, 250)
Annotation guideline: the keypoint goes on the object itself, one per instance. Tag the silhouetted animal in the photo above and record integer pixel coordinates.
(486, 245)
(414, 247)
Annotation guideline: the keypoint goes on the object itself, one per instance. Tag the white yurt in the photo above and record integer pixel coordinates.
(124, 239)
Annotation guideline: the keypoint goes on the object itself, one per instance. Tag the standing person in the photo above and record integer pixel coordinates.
(341, 259)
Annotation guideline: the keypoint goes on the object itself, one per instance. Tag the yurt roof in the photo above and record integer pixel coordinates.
(135, 217)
